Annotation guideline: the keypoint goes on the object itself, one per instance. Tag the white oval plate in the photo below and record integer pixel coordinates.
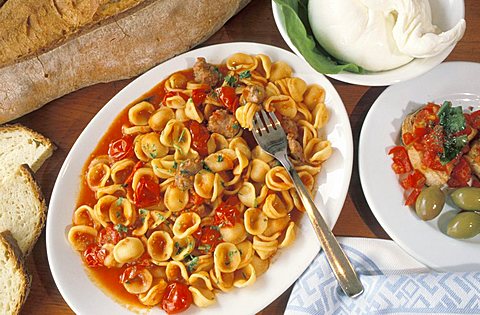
(85, 297)
(445, 14)
(454, 81)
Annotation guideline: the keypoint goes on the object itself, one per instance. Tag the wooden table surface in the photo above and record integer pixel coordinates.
(63, 120)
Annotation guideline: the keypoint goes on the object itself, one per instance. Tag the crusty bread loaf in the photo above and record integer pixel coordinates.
(121, 47)
(29, 27)
(21, 145)
(14, 279)
(22, 207)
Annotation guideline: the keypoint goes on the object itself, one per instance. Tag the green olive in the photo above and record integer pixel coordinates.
(467, 198)
(430, 203)
(464, 225)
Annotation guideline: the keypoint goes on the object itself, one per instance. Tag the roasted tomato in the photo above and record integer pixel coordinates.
(176, 298)
(94, 256)
(412, 197)
(200, 136)
(227, 96)
(226, 214)
(172, 93)
(198, 96)
(109, 235)
(208, 237)
(147, 193)
(121, 148)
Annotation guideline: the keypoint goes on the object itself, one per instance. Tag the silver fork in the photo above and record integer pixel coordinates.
(272, 139)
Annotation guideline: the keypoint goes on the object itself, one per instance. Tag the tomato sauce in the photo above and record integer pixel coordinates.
(108, 278)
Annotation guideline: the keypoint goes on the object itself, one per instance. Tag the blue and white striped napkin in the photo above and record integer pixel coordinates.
(394, 283)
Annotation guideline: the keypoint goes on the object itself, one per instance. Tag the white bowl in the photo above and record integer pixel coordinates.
(84, 297)
(445, 14)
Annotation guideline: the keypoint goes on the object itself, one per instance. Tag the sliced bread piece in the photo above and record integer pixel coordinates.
(22, 207)
(14, 279)
(21, 145)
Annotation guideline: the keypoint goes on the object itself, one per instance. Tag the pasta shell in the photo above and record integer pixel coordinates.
(186, 224)
(182, 247)
(154, 295)
(141, 283)
(246, 253)
(226, 257)
(280, 70)
(175, 199)
(313, 95)
(289, 236)
(264, 249)
(264, 65)
(176, 271)
(255, 221)
(128, 250)
(160, 118)
(121, 170)
(80, 236)
(192, 112)
(241, 62)
(98, 175)
(202, 297)
(318, 151)
(234, 234)
(278, 179)
(139, 113)
(122, 212)
(160, 246)
(101, 209)
(152, 147)
(84, 215)
(245, 276)
(260, 265)
(176, 82)
(203, 184)
(284, 104)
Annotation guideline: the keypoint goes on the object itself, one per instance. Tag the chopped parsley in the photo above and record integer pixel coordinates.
(235, 125)
(119, 201)
(160, 217)
(175, 165)
(245, 74)
(231, 80)
(125, 185)
(205, 247)
(143, 211)
(180, 139)
(121, 228)
(219, 158)
(255, 203)
(153, 155)
(215, 227)
(205, 167)
(184, 172)
(192, 262)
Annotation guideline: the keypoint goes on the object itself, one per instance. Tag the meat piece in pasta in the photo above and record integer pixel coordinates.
(295, 148)
(254, 93)
(223, 123)
(186, 172)
(206, 73)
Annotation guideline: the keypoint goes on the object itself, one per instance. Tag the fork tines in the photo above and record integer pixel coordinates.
(265, 121)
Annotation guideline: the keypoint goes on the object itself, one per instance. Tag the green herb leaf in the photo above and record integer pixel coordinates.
(175, 165)
(453, 121)
(180, 139)
(231, 80)
(121, 228)
(192, 264)
(119, 201)
(245, 74)
(219, 158)
(295, 16)
(205, 167)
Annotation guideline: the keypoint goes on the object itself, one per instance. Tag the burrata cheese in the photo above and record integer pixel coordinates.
(379, 34)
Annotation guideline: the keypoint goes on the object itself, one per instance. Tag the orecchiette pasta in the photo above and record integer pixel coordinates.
(178, 198)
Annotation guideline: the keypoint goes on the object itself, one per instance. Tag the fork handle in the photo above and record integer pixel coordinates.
(341, 266)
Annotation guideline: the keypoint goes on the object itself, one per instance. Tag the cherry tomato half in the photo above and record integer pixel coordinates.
(109, 235)
(208, 238)
(176, 298)
(94, 256)
(226, 214)
(147, 193)
(200, 136)
(121, 148)
(198, 96)
(130, 273)
(412, 197)
(227, 96)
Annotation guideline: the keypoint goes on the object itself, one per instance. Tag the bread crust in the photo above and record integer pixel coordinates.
(33, 134)
(128, 45)
(28, 174)
(11, 246)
